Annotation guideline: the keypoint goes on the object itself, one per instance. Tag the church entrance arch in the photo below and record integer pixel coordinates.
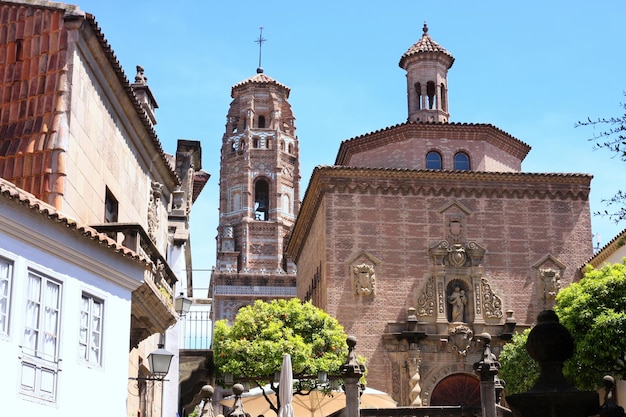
(457, 389)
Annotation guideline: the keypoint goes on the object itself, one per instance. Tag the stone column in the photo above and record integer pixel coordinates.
(351, 372)
(487, 368)
(238, 410)
(207, 395)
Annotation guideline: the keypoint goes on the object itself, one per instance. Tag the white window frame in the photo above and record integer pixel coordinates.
(6, 283)
(90, 332)
(40, 362)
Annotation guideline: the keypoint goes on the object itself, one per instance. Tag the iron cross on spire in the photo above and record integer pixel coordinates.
(260, 42)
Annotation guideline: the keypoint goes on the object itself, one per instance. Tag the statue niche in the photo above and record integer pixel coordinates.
(457, 297)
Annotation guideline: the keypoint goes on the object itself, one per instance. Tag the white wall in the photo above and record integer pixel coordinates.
(31, 241)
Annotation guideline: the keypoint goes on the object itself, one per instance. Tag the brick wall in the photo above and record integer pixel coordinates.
(392, 218)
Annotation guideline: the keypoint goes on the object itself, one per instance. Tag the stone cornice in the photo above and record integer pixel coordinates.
(454, 184)
(426, 131)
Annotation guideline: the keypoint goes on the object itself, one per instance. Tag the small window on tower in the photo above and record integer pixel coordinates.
(461, 162)
(418, 90)
(255, 143)
(261, 200)
(433, 160)
(261, 122)
(430, 92)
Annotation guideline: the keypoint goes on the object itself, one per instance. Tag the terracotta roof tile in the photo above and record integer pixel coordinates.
(11, 192)
(405, 130)
(31, 78)
(259, 78)
(426, 45)
(33, 70)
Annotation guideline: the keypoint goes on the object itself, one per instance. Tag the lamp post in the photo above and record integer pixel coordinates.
(159, 362)
(182, 305)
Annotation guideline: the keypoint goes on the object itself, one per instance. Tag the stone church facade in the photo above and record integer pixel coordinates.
(426, 234)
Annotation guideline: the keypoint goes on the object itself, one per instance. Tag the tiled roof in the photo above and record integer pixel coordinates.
(11, 192)
(403, 131)
(426, 45)
(259, 78)
(33, 50)
(34, 99)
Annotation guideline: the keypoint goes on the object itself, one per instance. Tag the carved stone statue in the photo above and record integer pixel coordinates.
(457, 301)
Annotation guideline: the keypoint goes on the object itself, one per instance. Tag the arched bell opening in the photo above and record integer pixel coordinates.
(261, 200)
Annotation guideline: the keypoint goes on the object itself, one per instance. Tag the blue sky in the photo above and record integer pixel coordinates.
(532, 69)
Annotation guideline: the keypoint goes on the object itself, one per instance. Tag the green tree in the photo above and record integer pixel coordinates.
(252, 348)
(594, 312)
(518, 370)
(612, 137)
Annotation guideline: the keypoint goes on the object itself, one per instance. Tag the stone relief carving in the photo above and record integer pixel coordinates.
(457, 255)
(551, 279)
(455, 227)
(364, 279)
(426, 300)
(491, 303)
(153, 210)
(460, 340)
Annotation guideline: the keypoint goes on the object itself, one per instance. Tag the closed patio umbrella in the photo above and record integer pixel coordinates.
(285, 390)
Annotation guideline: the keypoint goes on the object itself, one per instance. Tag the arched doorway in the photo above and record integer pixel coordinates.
(457, 389)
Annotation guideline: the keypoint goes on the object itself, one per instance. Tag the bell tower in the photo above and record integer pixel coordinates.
(259, 197)
(427, 64)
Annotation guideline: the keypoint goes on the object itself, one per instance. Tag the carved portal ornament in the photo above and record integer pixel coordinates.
(457, 255)
(364, 279)
(153, 210)
(491, 303)
(551, 279)
(427, 301)
(460, 340)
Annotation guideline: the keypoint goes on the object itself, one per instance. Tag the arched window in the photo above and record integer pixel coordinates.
(430, 92)
(268, 143)
(261, 122)
(418, 90)
(261, 200)
(290, 148)
(461, 162)
(255, 143)
(433, 160)
(282, 145)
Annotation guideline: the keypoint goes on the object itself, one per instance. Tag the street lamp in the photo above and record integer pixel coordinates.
(182, 304)
(159, 362)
